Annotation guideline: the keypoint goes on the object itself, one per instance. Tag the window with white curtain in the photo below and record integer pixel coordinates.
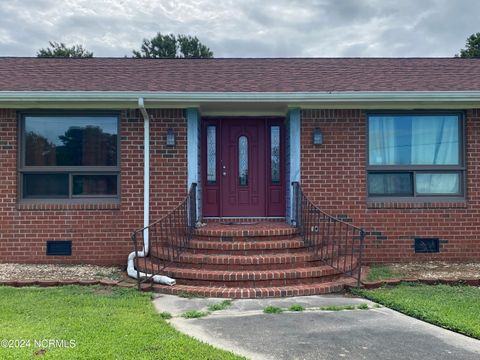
(415, 155)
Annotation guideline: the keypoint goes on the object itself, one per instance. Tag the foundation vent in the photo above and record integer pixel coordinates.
(59, 247)
(427, 245)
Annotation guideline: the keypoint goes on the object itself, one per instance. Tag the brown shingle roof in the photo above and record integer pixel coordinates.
(242, 75)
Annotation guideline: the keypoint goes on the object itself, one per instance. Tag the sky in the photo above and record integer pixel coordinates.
(245, 28)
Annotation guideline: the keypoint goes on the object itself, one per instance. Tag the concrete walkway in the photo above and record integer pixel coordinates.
(377, 333)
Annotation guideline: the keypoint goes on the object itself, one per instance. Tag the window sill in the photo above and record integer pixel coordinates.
(417, 204)
(84, 205)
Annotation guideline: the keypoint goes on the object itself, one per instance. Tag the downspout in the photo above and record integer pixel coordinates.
(131, 271)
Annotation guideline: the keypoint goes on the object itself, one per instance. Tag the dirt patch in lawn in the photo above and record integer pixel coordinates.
(59, 272)
(438, 270)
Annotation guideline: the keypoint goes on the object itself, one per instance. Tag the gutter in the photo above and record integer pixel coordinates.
(215, 97)
(131, 271)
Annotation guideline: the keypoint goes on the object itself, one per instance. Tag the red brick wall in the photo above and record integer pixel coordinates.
(334, 177)
(100, 233)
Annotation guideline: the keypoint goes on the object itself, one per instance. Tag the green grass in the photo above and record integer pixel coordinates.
(165, 315)
(383, 272)
(296, 307)
(194, 314)
(220, 306)
(270, 309)
(188, 295)
(337, 307)
(344, 307)
(453, 307)
(105, 323)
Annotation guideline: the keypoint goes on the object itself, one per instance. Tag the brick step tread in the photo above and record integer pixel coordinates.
(242, 219)
(273, 244)
(255, 259)
(258, 292)
(150, 265)
(244, 259)
(254, 230)
(242, 275)
(158, 264)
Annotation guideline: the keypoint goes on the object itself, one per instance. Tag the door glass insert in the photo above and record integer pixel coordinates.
(211, 154)
(243, 160)
(275, 153)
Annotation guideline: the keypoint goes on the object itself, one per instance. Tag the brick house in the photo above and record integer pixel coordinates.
(389, 145)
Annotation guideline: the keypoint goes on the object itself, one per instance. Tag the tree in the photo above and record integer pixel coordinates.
(171, 46)
(61, 50)
(472, 47)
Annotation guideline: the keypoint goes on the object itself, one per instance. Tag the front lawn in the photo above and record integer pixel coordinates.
(453, 307)
(104, 323)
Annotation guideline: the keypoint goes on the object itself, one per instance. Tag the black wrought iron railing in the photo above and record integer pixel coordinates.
(166, 238)
(334, 241)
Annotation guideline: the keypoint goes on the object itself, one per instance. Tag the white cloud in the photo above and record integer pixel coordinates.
(245, 28)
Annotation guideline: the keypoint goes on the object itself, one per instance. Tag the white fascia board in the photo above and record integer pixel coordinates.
(188, 98)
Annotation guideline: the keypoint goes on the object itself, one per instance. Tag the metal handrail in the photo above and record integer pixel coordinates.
(335, 242)
(168, 237)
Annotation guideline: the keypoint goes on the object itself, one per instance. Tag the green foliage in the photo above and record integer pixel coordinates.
(472, 47)
(165, 315)
(337, 307)
(270, 309)
(188, 295)
(170, 46)
(191, 48)
(296, 307)
(362, 306)
(383, 272)
(57, 49)
(455, 308)
(194, 314)
(115, 324)
(220, 306)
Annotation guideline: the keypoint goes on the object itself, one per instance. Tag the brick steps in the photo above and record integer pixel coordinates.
(266, 259)
(238, 267)
(244, 231)
(247, 247)
(258, 292)
(262, 278)
(315, 269)
(245, 261)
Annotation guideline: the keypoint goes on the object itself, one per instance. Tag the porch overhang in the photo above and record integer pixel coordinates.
(241, 102)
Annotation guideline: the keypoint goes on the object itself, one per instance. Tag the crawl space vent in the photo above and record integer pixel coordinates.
(427, 245)
(59, 247)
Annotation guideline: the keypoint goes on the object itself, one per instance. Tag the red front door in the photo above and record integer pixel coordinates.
(242, 167)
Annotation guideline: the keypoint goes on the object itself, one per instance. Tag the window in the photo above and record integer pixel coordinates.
(69, 156)
(211, 154)
(243, 160)
(275, 153)
(415, 155)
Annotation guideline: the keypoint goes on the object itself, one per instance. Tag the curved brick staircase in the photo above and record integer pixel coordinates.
(266, 259)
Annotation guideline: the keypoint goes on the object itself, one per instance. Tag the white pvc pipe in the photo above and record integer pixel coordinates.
(131, 271)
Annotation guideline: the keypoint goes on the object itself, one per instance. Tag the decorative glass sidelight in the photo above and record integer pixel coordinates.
(275, 153)
(243, 160)
(211, 154)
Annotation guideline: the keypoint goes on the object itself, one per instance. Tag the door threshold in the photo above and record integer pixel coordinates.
(238, 219)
